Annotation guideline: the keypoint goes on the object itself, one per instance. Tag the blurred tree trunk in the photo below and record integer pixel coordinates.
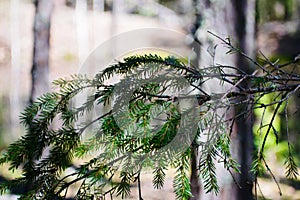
(14, 96)
(41, 46)
(195, 182)
(98, 5)
(82, 30)
(194, 177)
(40, 60)
(234, 19)
(245, 33)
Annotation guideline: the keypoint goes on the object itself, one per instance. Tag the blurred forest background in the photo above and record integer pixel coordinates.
(79, 26)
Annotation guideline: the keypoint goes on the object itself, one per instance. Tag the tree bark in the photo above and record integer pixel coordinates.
(235, 19)
(14, 96)
(194, 178)
(41, 46)
(195, 182)
(245, 18)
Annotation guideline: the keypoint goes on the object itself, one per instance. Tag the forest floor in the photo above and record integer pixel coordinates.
(65, 60)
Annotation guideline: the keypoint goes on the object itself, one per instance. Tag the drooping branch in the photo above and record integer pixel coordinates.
(154, 119)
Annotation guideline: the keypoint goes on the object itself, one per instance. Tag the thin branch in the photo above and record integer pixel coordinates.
(238, 50)
(287, 125)
(139, 186)
(93, 121)
(295, 61)
(274, 178)
(271, 123)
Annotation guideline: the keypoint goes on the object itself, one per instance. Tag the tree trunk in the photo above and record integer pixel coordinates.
(194, 178)
(234, 19)
(14, 96)
(82, 30)
(195, 182)
(98, 5)
(244, 18)
(40, 66)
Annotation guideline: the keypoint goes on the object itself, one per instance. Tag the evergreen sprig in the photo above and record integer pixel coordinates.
(117, 149)
(181, 181)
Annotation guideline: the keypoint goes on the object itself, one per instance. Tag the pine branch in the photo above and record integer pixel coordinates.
(139, 142)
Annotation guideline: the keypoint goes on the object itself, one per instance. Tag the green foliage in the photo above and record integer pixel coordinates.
(266, 10)
(181, 182)
(131, 145)
(159, 173)
(292, 170)
(207, 170)
(257, 166)
(118, 146)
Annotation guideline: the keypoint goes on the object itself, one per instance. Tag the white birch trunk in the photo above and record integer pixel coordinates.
(14, 95)
(234, 19)
(82, 30)
(41, 48)
(98, 5)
